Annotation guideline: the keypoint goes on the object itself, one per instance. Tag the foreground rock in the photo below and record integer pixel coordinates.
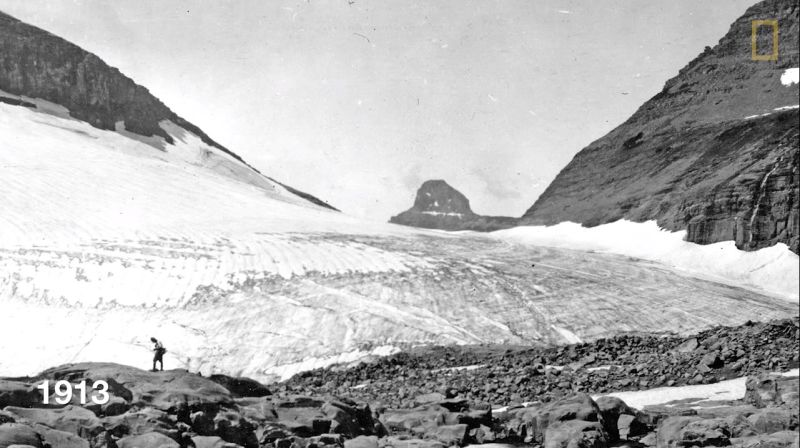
(177, 409)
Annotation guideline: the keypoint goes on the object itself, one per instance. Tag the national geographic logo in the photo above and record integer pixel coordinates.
(756, 55)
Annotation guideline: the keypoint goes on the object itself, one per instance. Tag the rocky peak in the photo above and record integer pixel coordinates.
(437, 196)
(440, 206)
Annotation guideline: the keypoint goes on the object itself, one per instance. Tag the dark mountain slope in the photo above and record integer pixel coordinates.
(710, 153)
(38, 64)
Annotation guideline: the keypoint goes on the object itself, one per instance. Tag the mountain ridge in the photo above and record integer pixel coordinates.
(714, 153)
(38, 64)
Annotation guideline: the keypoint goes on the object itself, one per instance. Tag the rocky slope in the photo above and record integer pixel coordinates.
(440, 206)
(173, 409)
(513, 374)
(35, 64)
(715, 152)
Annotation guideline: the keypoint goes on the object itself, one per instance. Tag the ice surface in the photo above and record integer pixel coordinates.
(107, 240)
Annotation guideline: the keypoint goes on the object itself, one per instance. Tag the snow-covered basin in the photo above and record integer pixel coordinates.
(771, 269)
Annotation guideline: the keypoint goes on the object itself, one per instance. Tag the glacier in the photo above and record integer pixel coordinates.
(108, 238)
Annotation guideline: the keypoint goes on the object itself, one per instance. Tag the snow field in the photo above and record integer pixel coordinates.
(107, 239)
(772, 269)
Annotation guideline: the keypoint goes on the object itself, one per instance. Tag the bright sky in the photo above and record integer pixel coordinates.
(359, 101)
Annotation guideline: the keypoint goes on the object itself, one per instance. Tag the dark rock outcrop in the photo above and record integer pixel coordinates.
(709, 154)
(440, 206)
(537, 424)
(178, 408)
(772, 390)
(38, 64)
(678, 432)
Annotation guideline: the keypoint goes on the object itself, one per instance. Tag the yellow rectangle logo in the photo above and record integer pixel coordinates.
(773, 56)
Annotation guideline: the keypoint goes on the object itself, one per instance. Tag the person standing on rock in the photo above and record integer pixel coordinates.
(159, 351)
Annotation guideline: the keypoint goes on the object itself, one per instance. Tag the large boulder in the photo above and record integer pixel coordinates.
(17, 393)
(19, 434)
(302, 416)
(426, 399)
(361, 442)
(326, 441)
(73, 419)
(680, 432)
(241, 386)
(162, 390)
(450, 434)
(7, 417)
(149, 440)
(61, 439)
(629, 426)
(611, 408)
(406, 420)
(138, 422)
(772, 390)
(769, 420)
(740, 426)
(687, 346)
(349, 418)
(780, 439)
(575, 434)
(233, 428)
(530, 424)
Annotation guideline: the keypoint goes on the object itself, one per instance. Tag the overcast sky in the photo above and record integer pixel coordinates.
(360, 101)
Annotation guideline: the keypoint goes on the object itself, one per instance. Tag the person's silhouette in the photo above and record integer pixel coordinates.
(159, 353)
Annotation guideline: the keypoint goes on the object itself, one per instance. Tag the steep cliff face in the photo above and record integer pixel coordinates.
(38, 64)
(715, 152)
(440, 206)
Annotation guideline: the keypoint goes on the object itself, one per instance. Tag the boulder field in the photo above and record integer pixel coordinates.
(177, 408)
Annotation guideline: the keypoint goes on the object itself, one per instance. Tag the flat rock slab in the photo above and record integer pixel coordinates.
(161, 390)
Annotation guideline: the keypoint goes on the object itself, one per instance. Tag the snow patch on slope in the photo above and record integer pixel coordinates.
(460, 215)
(724, 390)
(790, 76)
(777, 109)
(569, 337)
(286, 371)
(772, 269)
